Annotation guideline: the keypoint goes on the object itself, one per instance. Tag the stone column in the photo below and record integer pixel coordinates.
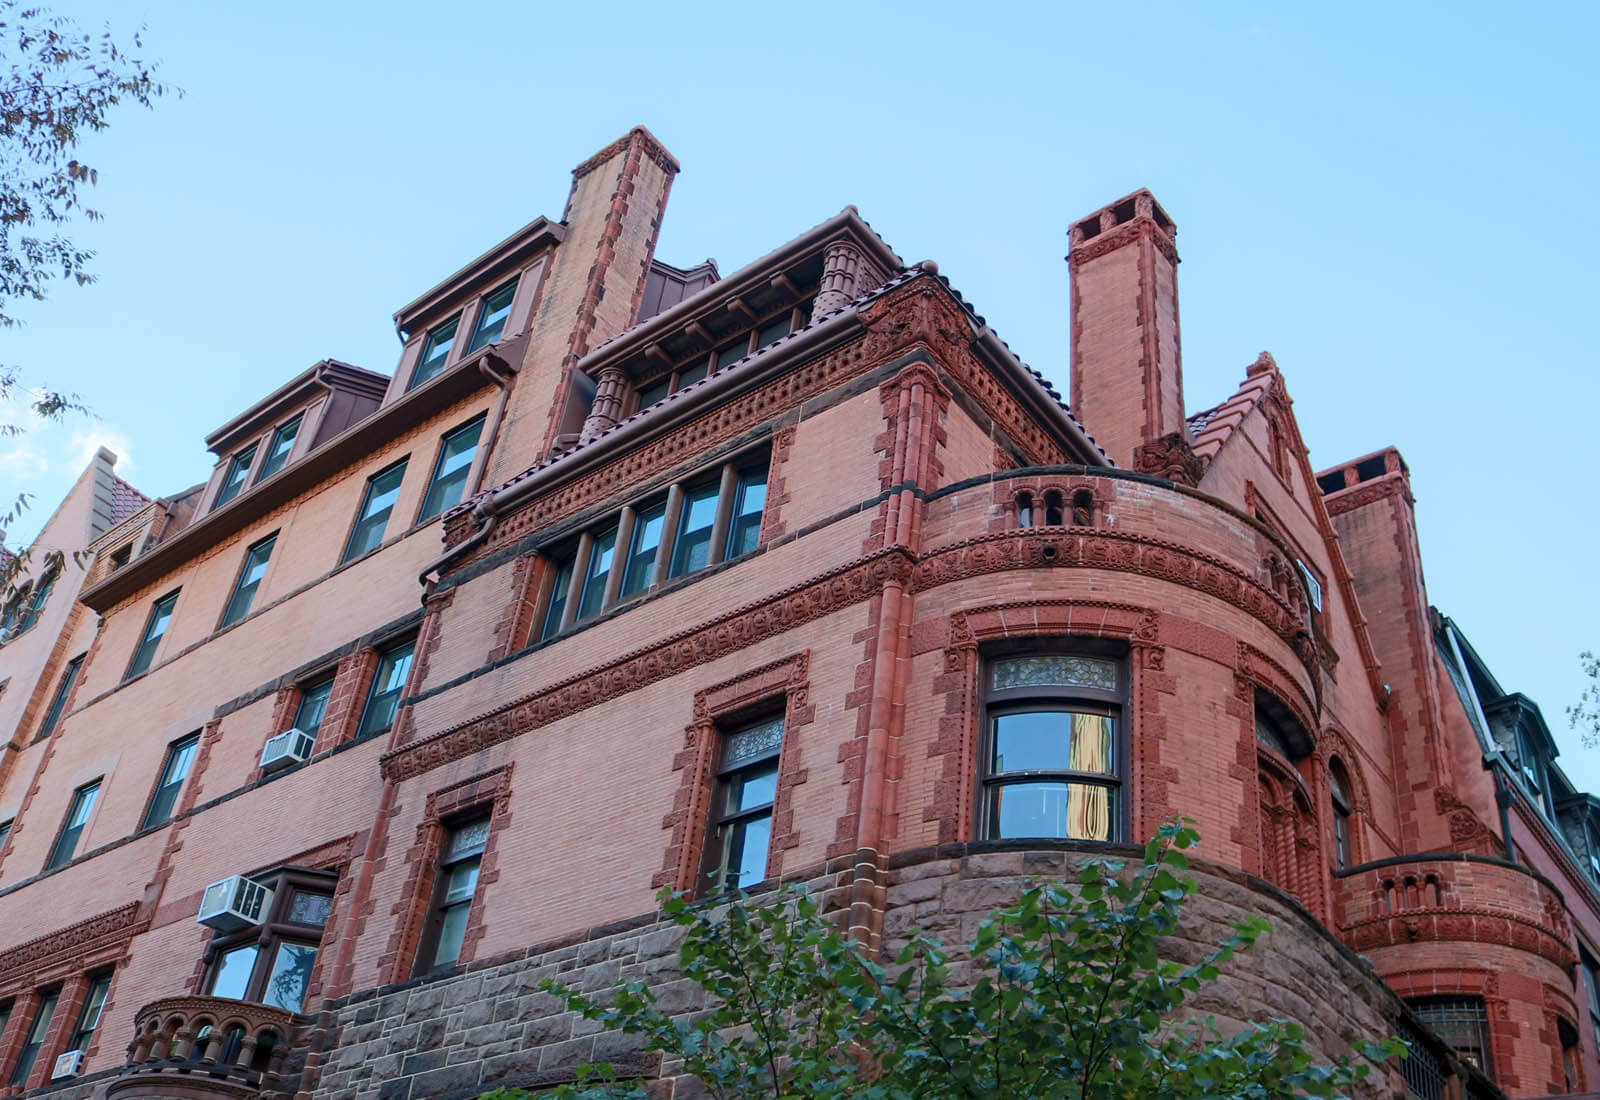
(610, 398)
(842, 265)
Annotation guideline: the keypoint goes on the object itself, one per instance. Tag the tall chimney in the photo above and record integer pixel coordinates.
(1127, 371)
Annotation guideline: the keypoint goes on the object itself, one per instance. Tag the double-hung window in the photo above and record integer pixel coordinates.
(244, 589)
(89, 1015)
(749, 502)
(313, 705)
(394, 665)
(58, 702)
(32, 602)
(459, 863)
(30, 1047)
(66, 847)
(597, 577)
(377, 502)
(643, 545)
(278, 450)
(272, 963)
(697, 519)
(451, 469)
(1051, 760)
(739, 834)
(492, 316)
(238, 473)
(154, 628)
(5, 831)
(180, 757)
(435, 351)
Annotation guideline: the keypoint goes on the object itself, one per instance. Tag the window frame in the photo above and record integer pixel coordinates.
(58, 702)
(232, 614)
(242, 462)
(83, 1030)
(385, 655)
(44, 1014)
(144, 654)
(268, 936)
(1421, 1006)
(61, 856)
(267, 469)
(995, 703)
(720, 819)
(475, 423)
(439, 904)
(31, 603)
(5, 831)
(481, 313)
(700, 365)
(453, 322)
(362, 519)
(163, 782)
(308, 689)
(1343, 811)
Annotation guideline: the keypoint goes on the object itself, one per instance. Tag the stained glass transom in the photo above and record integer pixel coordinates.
(753, 741)
(1055, 671)
(468, 838)
(310, 908)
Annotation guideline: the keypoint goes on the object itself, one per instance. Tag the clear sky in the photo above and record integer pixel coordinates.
(1397, 200)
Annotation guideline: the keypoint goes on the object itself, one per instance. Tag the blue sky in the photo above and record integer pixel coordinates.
(1398, 201)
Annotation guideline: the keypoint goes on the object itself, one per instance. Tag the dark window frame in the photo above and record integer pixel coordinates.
(1341, 798)
(385, 657)
(58, 702)
(61, 853)
(364, 521)
(274, 461)
(481, 313)
(164, 783)
(275, 931)
(439, 905)
(699, 365)
(238, 475)
(308, 689)
(722, 819)
(232, 614)
(1442, 1011)
(32, 601)
(418, 378)
(997, 703)
(429, 510)
(144, 654)
(40, 1024)
(83, 1030)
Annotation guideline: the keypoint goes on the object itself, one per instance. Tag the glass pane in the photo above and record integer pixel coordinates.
(1039, 741)
(594, 581)
(734, 352)
(688, 376)
(238, 470)
(1055, 671)
(756, 787)
(375, 508)
(492, 317)
(467, 839)
(642, 547)
(59, 702)
(291, 974)
(1269, 735)
(282, 444)
(744, 531)
(313, 704)
(307, 908)
(451, 930)
(232, 975)
(89, 1019)
(82, 804)
(450, 472)
(747, 850)
(775, 330)
(435, 351)
(384, 697)
(145, 654)
(653, 393)
(255, 567)
(751, 742)
(1077, 811)
(691, 550)
(558, 601)
(461, 881)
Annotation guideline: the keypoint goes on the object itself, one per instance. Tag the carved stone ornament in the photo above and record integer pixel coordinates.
(1170, 457)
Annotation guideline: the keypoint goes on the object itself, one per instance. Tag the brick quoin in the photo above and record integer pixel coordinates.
(929, 505)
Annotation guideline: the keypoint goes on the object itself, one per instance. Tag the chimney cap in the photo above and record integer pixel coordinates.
(1141, 204)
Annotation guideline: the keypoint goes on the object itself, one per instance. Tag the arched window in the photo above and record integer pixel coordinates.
(1024, 509)
(1339, 792)
(1054, 513)
(1083, 508)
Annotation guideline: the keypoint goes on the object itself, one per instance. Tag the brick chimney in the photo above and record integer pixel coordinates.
(1127, 371)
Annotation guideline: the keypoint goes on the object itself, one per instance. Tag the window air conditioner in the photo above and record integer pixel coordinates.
(291, 747)
(234, 903)
(68, 1065)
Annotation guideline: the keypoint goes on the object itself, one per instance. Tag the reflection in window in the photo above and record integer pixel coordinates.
(238, 473)
(278, 451)
(435, 352)
(691, 548)
(492, 317)
(458, 882)
(383, 488)
(740, 833)
(383, 698)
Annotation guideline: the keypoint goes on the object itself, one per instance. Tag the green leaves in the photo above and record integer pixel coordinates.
(1066, 997)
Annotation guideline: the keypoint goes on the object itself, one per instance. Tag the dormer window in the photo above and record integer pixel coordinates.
(700, 364)
(492, 317)
(278, 451)
(238, 474)
(435, 351)
(1531, 766)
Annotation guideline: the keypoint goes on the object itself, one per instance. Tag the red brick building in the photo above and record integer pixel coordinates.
(633, 576)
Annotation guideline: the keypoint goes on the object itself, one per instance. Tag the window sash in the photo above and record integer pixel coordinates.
(450, 469)
(556, 606)
(58, 704)
(435, 351)
(492, 316)
(278, 450)
(180, 757)
(155, 629)
(313, 705)
(238, 474)
(602, 551)
(231, 973)
(749, 504)
(34, 602)
(36, 1034)
(1341, 838)
(290, 975)
(383, 489)
(66, 847)
(383, 697)
(697, 518)
(644, 546)
(244, 589)
(89, 1017)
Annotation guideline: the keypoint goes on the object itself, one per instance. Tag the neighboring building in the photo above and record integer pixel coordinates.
(635, 577)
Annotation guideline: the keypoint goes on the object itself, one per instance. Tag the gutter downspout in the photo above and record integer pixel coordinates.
(485, 512)
(504, 382)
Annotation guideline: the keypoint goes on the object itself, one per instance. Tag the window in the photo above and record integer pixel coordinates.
(33, 602)
(244, 590)
(394, 665)
(1270, 733)
(452, 902)
(278, 450)
(1313, 585)
(1570, 1056)
(740, 831)
(1532, 766)
(435, 351)
(382, 489)
(1339, 792)
(144, 655)
(238, 474)
(35, 1039)
(5, 831)
(58, 702)
(492, 317)
(71, 832)
(180, 756)
(696, 527)
(451, 469)
(1461, 1023)
(1051, 757)
(1591, 982)
(89, 1015)
(5, 1019)
(699, 364)
(121, 556)
(272, 963)
(313, 705)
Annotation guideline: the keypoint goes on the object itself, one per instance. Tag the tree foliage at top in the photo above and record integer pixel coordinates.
(57, 85)
(1584, 715)
(1065, 998)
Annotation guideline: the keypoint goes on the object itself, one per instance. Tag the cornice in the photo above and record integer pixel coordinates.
(103, 930)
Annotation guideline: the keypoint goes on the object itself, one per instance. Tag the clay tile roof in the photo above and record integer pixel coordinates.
(1212, 428)
(125, 500)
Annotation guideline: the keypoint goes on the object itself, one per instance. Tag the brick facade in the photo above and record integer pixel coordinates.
(925, 507)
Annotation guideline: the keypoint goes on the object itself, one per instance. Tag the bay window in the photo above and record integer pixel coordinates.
(272, 963)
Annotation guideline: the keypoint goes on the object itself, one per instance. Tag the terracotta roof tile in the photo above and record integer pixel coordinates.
(125, 500)
(1213, 427)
